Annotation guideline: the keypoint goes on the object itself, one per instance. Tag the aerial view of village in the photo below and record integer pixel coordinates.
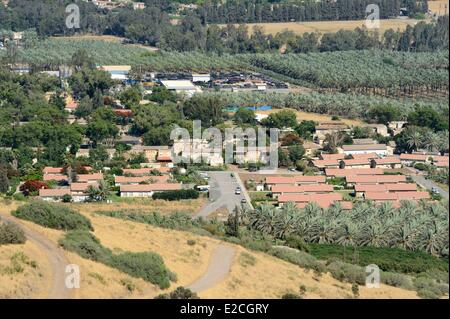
(224, 149)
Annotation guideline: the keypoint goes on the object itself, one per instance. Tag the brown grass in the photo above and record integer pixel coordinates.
(31, 282)
(329, 26)
(438, 6)
(190, 206)
(315, 117)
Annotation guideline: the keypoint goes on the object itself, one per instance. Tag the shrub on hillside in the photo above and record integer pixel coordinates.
(11, 234)
(299, 258)
(177, 194)
(179, 293)
(52, 216)
(86, 245)
(146, 265)
(296, 242)
(347, 272)
(396, 280)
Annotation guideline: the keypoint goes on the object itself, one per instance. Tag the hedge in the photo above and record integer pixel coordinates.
(177, 194)
(54, 216)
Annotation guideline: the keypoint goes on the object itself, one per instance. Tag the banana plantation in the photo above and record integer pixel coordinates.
(416, 227)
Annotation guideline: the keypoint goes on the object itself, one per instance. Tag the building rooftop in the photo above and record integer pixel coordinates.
(353, 171)
(55, 192)
(375, 179)
(150, 187)
(364, 147)
(384, 188)
(312, 188)
(294, 179)
(140, 179)
(52, 170)
(388, 160)
(178, 85)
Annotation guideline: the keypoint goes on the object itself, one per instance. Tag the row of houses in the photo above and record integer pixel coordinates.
(77, 189)
(367, 184)
(371, 160)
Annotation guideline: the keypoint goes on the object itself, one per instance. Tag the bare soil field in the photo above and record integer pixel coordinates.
(440, 7)
(329, 26)
(314, 117)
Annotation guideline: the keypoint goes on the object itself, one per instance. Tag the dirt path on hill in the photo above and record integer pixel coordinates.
(218, 268)
(55, 255)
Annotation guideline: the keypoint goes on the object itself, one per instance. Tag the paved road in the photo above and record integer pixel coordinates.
(222, 193)
(218, 268)
(55, 255)
(429, 184)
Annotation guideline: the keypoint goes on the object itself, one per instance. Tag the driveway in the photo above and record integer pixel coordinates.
(218, 269)
(221, 193)
(429, 184)
(55, 255)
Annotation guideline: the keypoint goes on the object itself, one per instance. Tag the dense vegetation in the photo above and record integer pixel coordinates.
(146, 265)
(388, 259)
(177, 194)
(250, 11)
(413, 227)
(53, 216)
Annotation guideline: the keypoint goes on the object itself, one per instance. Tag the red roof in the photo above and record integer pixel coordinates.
(388, 160)
(325, 163)
(89, 177)
(359, 161)
(55, 177)
(56, 192)
(298, 179)
(385, 187)
(305, 198)
(354, 171)
(414, 157)
(312, 188)
(365, 156)
(378, 196)
(332, 156)
(375, 179)
(140, 179)
(123, 112)
(439, 158)
(80, 187)
(150, 187)
(441, 164)
(53, 170)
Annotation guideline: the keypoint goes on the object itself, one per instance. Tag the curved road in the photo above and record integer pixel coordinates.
(55, 255)
(218, 269)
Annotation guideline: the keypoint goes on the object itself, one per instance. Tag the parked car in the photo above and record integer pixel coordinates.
(237, 191)
(243, 201)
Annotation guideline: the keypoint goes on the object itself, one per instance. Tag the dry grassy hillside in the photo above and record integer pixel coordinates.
(252, 274)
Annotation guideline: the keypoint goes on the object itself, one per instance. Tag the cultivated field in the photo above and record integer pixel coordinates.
(439, 6)
(302, 116)
(329, 26)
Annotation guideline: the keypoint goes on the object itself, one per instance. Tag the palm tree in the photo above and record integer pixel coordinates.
(414, 140)
(334, 140)
(265, 219)
(285, 221)
(432, 241)
(431, 141)
(443, 141)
